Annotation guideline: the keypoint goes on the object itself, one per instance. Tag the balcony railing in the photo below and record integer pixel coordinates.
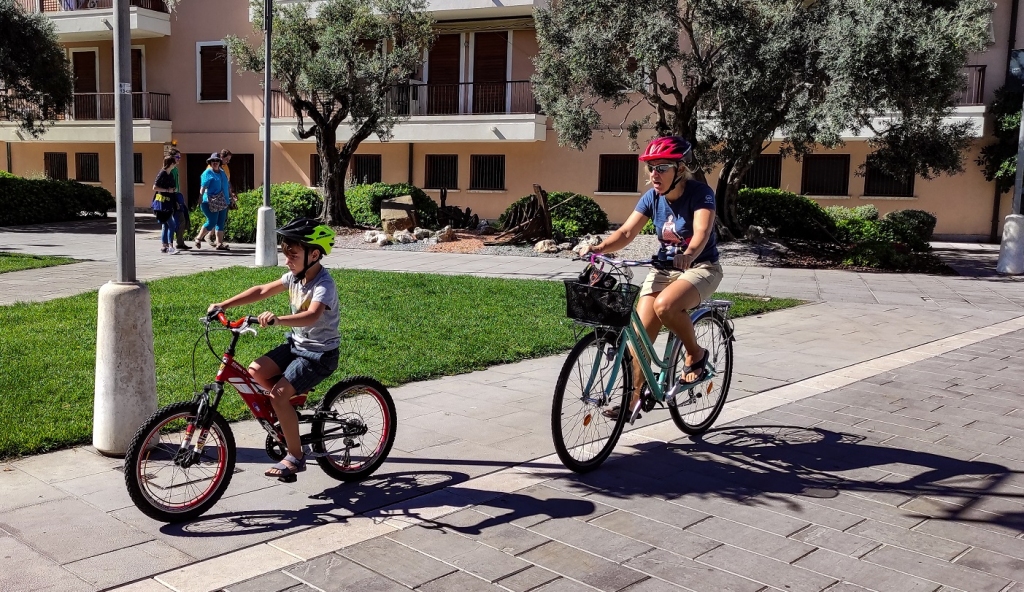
(73, 5)
(467, 98)
(974, 92)
(100, 107)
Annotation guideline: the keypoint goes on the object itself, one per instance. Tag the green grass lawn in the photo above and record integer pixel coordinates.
(398, 327)
(17, 261)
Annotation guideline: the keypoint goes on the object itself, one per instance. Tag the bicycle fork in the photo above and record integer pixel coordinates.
(189, 454)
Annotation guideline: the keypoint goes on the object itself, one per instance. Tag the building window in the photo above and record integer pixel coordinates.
(487, 172)
(442, 171)
(881, 184)
(55, 164)
(243, 172)
(365, 168)
(766, 172)
(87, 167)
(618, 173)
(137, 168)
(826, 174)
(212, 65)
(316, 172)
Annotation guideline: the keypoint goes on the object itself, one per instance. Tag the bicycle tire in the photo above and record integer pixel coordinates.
(713, 335)
(576, 372)
(349, 389)
(138, 475)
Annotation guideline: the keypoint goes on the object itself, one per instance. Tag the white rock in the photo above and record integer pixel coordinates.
(546, 246)
(371, 236)
(564, 247)
(422, 233)
(404, 237)
(445, 235)
(382, 239)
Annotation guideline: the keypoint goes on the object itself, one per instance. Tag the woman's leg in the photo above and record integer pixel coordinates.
(222, 223)
(209, 222)
(672, 306)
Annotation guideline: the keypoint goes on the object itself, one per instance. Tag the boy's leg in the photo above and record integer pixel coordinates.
(267, 371)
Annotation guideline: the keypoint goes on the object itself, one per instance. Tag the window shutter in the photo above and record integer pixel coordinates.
(213, 73)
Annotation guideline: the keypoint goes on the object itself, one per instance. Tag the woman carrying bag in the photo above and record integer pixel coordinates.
(164, 204)
(216, 191)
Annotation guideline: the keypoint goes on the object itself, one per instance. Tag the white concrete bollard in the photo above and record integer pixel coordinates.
(125, 371)
(266, 238)
(1011, 249)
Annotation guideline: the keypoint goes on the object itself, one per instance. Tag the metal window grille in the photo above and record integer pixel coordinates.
(766, 172)
(87, 167)
(55, 164)
(243, 172)
(442, 171)
(881, 184)
(366, 168)
(618, 173)
(137, 168)
(487, 171)
(826, 174)
(316, 172)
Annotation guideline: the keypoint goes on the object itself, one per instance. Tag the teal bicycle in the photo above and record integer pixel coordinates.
(598, 373)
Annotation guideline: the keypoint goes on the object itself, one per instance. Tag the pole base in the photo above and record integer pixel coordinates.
(1011, 249)
(266, 238)
(125, 372)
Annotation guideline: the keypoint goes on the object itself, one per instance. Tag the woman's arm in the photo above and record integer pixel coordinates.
(621, 237)
(703, 221)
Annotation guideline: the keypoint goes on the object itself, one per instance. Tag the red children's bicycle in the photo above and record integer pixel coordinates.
(181, 460)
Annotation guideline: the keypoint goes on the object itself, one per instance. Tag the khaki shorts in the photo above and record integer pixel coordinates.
(704, 276)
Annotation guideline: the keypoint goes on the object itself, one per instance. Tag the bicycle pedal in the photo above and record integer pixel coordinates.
(635, 413)
(288, 478)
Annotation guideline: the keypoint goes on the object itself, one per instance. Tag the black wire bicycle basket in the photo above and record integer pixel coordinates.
(600, 298)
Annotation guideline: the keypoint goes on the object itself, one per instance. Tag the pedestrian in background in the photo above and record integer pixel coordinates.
(215, 189)
(181, 215)
(165, 204)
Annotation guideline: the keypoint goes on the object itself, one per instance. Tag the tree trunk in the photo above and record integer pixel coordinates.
(335, 212)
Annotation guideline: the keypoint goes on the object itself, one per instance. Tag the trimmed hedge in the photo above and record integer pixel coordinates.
(579, 217)
(912, 228)
(39, 201)
(784, 214)
(289, 200)
(864, 212)
(364, 202)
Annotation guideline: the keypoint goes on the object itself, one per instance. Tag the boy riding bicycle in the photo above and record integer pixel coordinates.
(311, 352)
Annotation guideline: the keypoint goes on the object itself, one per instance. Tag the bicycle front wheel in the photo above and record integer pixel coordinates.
(695, 410)
(583, 433)
(167, 478)
(354, 429)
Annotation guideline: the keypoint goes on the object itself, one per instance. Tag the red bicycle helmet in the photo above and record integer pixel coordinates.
(667, 148)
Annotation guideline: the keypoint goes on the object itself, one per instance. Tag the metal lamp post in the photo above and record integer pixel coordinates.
(1011, 248)
(266, 240)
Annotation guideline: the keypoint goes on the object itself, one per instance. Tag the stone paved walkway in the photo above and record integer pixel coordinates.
(863, 421)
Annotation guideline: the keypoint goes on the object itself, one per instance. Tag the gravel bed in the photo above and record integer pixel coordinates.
(739, 253)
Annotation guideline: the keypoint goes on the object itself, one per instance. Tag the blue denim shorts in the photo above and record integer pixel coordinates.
(302, 368)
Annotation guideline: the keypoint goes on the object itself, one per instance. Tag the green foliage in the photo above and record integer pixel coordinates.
(289, 200)
(579, 217)
(912, 228)
(6, 175)
(897, 241)
(17, 261)
(364, 202)
(334, 68)
(864, 212)
(648, 228)
(34, 70)
(37, 201)
(784, 214)
(998, 160)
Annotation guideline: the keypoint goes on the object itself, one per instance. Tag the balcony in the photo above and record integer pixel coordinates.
(444, 10)
(93, 20)
(464, 112)
(90, 118)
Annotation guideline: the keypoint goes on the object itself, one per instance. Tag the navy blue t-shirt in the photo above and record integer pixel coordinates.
(673, 221)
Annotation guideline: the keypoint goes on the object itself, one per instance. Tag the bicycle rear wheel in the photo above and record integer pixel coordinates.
(584, 437)
(358, 419)
(695, 410)
(166, 479)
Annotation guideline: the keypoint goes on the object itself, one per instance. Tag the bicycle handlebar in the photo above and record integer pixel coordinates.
(655, 262)
(220, 316)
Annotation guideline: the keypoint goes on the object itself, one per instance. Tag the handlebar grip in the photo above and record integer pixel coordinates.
(252, 320)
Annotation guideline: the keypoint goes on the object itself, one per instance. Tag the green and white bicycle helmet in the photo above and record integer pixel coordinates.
(312, 235)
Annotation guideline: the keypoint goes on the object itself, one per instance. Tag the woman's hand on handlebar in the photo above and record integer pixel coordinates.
(267, 318)
(682, 261)
(587, 249)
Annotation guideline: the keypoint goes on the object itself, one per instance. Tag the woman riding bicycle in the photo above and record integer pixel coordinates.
(683, 210)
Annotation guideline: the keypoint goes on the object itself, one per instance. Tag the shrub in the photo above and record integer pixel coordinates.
(784, 214)
(864, 212)
(912, 228)
(5, 174)
(580, 216)
(364, 202)
(289, 200)
(38, 201)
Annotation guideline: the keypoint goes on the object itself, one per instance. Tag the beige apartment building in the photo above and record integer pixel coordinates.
(473, 125)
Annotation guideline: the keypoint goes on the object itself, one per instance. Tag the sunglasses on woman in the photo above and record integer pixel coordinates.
(661, 168)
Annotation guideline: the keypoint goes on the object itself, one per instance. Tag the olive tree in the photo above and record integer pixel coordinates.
(732, 75)
(340, 62)
(36, 86)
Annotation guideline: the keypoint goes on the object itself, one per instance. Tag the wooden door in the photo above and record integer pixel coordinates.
(139, 107)
(490, 59)
(443, 70)
(86, 99)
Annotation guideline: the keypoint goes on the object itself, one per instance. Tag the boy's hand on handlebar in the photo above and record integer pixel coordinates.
(267, 318)
(216, 307)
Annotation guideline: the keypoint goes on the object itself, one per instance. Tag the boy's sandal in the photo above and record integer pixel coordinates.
(283, 470)
(700, 368)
